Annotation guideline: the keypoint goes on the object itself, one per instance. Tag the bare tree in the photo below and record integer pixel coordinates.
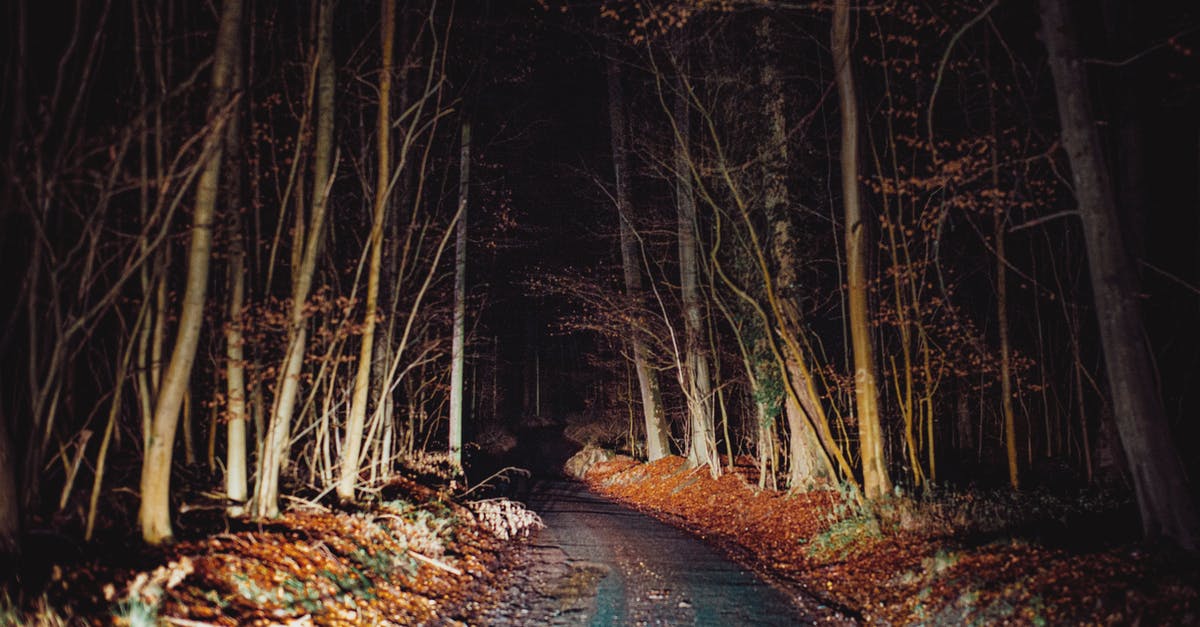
(876, 482)
(154, 514)
(657, 435)
(458, 348)
(1166, 502)
(266, 494)
(236, 486)
(697, 383)
(353, 445)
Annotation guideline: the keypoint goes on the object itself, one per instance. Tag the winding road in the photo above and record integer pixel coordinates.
(600, 563)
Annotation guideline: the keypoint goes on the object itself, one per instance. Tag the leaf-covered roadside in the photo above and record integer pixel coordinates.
(417, 556)
(957, 560)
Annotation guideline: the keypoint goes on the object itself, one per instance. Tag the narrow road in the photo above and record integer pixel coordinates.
(600, 563)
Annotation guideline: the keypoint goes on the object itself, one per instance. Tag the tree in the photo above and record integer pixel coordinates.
(266, 492)
(876, 482)
(236, 487)
(353, 446)
(657, 435)
(696, 384)
(1166, 503)
(809, 446)
(458, 348)
(154, 515)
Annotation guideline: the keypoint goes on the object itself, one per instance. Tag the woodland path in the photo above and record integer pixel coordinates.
(646, 572)
(598, 562)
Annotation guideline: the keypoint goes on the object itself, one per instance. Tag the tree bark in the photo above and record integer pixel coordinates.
(876, 482)
(458, 347)
(154, 514)
(657, 435)
(1165, 501)
(355, 422)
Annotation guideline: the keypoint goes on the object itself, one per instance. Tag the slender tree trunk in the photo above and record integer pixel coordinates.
(657, 435)
(458, 347)
(876, 482)
(1167, 506)
(236, 486)
(155, 514)
(348, 476)
(1006, 388)
(235, 378)
(275, 449)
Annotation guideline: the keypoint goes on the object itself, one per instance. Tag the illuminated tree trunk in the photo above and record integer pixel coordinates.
(353, 444)
(657, 436)
(154, 514)
(236, 489)
(1006, 388)
(266, 493)
(876, 482)
(702, 448)
(458, 342)
(808, 465)
(1165, 501)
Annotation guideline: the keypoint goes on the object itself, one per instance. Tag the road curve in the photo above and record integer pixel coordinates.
(615, 566)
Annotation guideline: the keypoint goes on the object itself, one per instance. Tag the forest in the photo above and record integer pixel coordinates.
(333, 289)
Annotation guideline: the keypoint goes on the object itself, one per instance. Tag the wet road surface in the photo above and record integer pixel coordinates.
(600, 563)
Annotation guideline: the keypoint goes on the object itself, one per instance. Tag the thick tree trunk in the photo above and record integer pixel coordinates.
(458, 347)
(1166, 503)
(808, 465)
(155, 512)
(876, 482)
(697, 384)
(355, 422)
(275, 449)
(657, 435)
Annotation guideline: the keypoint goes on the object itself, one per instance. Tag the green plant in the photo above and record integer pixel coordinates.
(136, 612)
(839, 540)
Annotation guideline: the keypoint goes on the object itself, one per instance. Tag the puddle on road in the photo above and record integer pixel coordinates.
(576, 590)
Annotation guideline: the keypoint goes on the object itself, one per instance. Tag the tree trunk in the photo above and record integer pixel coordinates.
(657, 435)
(235, 377)
(1006, 388)
(876, 482)
(1166, 503)
(697, 384)
(10, 512)
(154, 514)
(458, 348)
(808, 465)
(348, 476)
(235, 370)
(270, 464)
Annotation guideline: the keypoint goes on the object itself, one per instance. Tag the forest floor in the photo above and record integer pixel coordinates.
(417, 555)
(965, 558)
